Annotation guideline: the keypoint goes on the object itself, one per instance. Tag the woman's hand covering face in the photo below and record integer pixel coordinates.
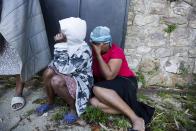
(97, 48)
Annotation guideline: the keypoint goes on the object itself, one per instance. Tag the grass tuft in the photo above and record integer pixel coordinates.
(95, 115)
(170, 28)
(121, 122)
(30, 112)
(59, 114)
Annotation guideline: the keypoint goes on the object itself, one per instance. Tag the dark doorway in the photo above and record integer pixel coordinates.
(1, 6)
(111, 13)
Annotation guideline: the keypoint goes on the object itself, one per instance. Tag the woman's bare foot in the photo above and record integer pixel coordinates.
(139, 124)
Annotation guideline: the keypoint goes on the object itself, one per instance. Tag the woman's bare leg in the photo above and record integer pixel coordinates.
(47, 76)
(105, 108)
(19, 86)
(111, 98)
(60, 88)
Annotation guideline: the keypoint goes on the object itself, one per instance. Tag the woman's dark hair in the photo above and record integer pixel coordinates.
(2, 44)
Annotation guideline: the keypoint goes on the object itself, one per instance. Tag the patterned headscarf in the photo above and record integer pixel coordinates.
(101, 34)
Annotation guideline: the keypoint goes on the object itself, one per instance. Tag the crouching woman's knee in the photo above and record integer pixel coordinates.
(57, 82)
(48, 73)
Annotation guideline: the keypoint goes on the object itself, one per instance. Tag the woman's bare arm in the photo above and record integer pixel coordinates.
(109, 70)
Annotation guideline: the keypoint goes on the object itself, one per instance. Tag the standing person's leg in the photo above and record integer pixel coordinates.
(19, 86)
(112, 99)
(18, 101)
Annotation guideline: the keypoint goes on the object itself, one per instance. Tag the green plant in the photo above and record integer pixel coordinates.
(59, 101)
(194, 79)
(59, 114)
(170, 28)
(121, 122)
(179, 85)
(7, 85)
(142, 97)
(40, 101)
(95, 115)
(183, 70)
(164, 94)
(159, 122)
(9, 82)
(169, 118)
(29, 112)
(189, 102)
(141, 78)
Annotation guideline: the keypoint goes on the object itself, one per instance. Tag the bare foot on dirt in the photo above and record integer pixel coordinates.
(139, 124)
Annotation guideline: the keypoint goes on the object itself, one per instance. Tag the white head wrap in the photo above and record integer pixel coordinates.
(74, 29)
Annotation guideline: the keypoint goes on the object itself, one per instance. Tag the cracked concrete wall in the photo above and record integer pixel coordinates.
(166, 58)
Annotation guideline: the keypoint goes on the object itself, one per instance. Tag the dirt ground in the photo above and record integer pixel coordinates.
(175, 109)
(25, 119)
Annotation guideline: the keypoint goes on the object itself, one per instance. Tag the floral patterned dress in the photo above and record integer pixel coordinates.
(10, 63)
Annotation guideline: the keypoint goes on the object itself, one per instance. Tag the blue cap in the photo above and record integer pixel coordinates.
(101, 34)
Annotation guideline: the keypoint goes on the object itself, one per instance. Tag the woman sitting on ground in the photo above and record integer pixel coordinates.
(115, 86)
(69, 75)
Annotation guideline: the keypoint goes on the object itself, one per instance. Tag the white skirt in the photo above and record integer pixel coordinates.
(10, 63)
